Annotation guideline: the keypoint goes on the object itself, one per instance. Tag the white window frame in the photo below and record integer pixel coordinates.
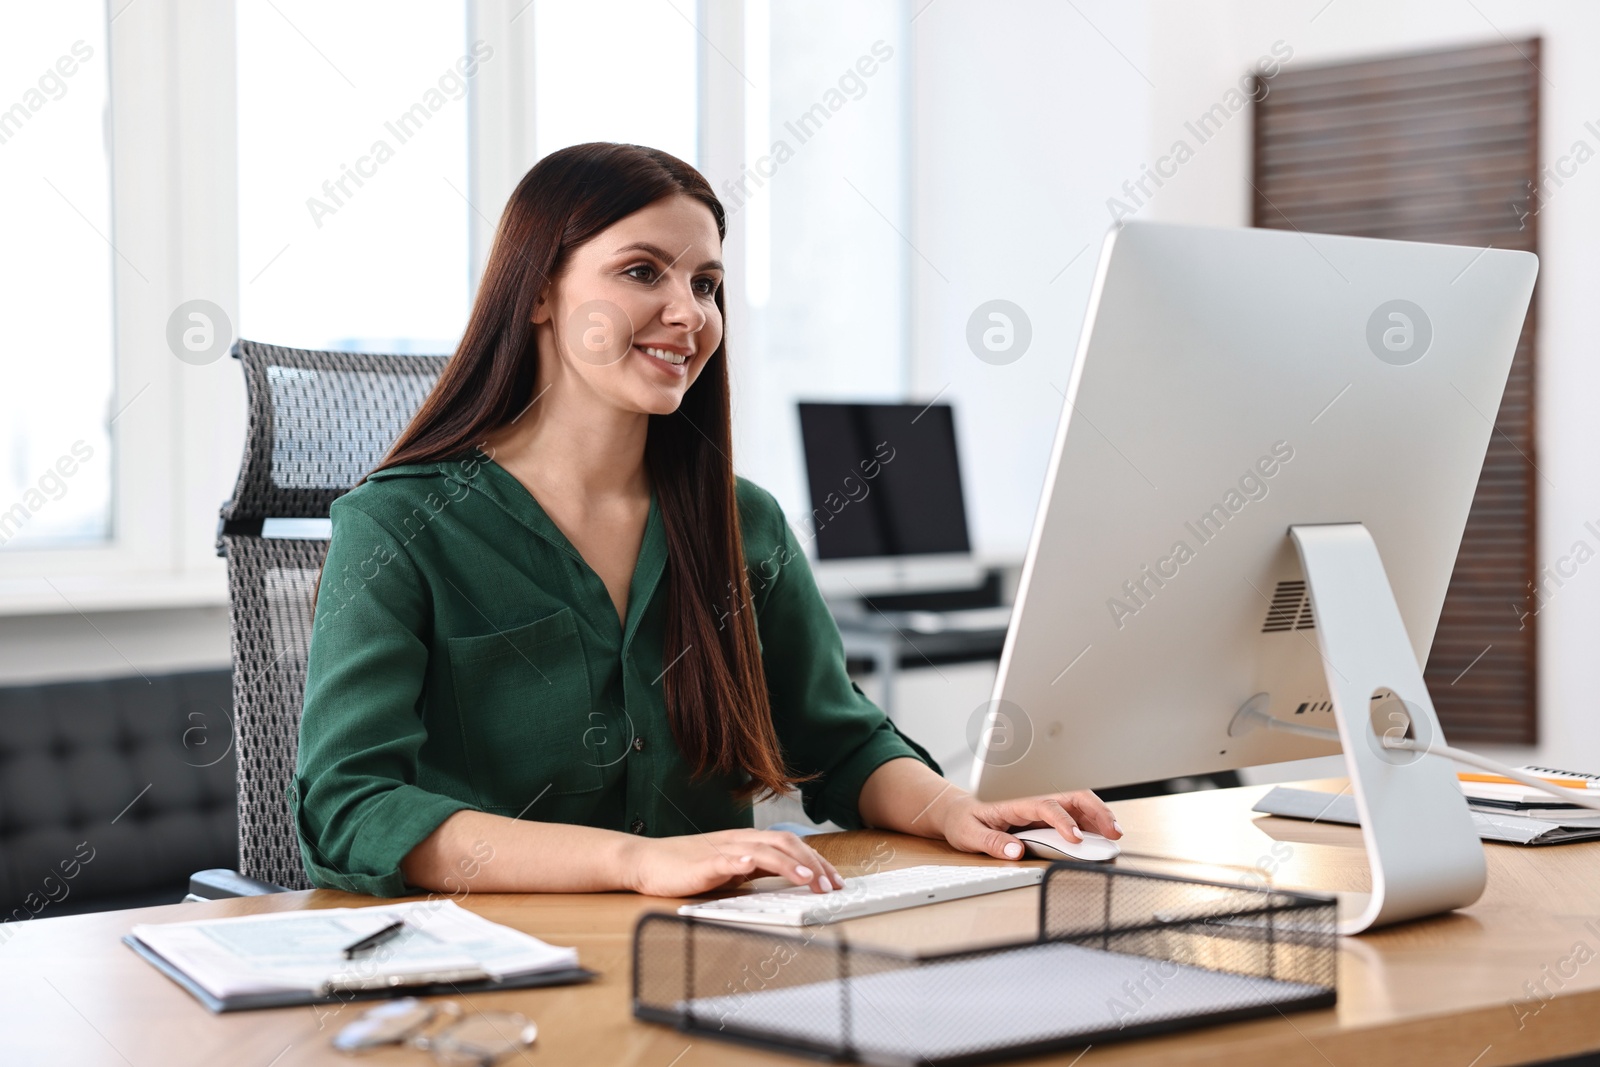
(179, 431)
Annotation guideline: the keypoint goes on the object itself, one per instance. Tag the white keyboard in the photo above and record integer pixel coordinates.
(866, 894)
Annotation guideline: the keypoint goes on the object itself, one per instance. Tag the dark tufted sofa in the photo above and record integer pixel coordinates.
(113, 792)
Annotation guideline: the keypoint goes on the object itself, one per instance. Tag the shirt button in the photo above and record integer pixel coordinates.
(637, 827)
(638, 744)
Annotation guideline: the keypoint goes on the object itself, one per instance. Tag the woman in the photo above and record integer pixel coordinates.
(559, 645)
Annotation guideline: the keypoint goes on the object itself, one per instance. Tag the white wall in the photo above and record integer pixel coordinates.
(826, 261)
(112, 644)
(1023, 115)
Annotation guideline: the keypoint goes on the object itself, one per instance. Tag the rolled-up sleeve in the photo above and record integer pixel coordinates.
(824, 721)
(356, 805)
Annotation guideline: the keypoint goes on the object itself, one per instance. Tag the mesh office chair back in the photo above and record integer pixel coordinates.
(319, 422)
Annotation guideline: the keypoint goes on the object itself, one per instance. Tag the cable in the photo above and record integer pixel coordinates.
(1583, 798)
(1254, 715)
(1321, 733)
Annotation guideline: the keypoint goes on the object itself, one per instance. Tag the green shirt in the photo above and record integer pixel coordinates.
(465, 656)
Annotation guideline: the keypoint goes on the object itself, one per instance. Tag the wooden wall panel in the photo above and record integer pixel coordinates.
(1437, 146)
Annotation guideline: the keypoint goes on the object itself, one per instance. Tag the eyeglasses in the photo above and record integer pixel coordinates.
(475, 1040)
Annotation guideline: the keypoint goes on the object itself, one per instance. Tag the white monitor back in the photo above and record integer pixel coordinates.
(1229, 384)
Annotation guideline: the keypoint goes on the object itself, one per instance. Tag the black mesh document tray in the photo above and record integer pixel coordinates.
(1118, 954)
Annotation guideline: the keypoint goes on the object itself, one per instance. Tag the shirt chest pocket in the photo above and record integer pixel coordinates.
(523, 699)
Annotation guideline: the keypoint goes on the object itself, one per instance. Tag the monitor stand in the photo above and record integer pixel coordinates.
(1424, 853)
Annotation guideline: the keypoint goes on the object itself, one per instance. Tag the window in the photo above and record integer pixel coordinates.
(353, 192)
(56, 273)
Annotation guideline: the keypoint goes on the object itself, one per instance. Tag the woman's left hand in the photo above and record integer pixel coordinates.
(974, 826)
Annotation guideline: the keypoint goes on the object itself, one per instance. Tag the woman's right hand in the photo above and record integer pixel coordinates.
(698, 863)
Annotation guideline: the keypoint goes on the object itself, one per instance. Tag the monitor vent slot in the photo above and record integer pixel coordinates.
(1290, 609)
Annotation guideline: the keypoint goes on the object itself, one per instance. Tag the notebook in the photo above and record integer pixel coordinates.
(290, 958)
(1521, 798)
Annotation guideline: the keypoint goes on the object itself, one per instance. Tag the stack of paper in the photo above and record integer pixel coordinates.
(1552, 805)
(295, 957)
(1510, 827)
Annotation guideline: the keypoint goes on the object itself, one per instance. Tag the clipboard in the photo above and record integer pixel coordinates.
(423, 985)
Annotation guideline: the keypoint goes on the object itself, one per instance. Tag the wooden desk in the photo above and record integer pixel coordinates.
(1433, 992)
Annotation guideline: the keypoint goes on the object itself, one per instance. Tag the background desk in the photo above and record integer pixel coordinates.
(887, 643)
(1433, 992)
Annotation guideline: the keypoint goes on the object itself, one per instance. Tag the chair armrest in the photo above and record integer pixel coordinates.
(219, 883)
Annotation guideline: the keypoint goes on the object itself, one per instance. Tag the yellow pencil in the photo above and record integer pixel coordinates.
(1498, 779)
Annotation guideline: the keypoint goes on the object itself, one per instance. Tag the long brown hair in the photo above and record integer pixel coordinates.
(716, 690)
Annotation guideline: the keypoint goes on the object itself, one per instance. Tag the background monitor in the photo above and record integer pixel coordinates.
(1227, 385)
(887, 511)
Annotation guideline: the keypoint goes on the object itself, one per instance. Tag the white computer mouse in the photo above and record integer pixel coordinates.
(1048, 844)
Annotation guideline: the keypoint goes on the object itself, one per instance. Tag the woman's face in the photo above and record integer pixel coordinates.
(634, 316)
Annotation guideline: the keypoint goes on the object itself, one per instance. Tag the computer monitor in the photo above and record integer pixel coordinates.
(1237, 394)
(887, 511)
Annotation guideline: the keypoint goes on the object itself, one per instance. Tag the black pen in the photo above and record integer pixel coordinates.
(373, 940)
